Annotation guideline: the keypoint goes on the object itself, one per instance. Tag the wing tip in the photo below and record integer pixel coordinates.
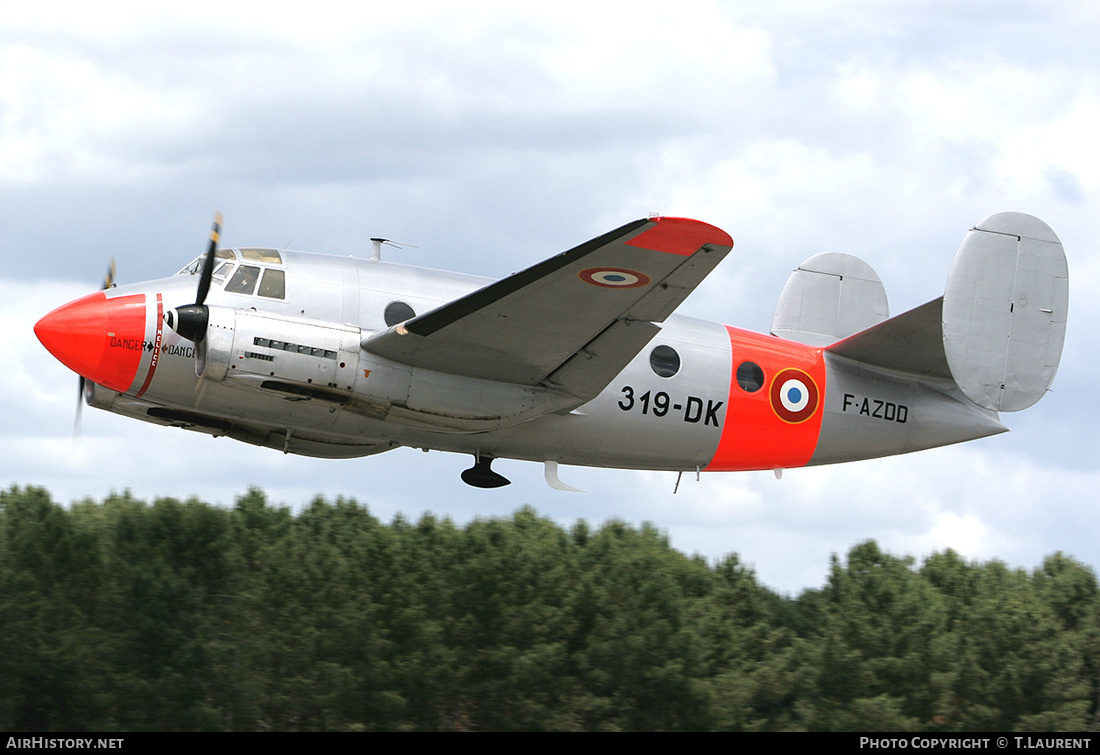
(677, 235)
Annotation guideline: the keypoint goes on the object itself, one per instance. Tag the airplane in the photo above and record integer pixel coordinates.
(578, 359)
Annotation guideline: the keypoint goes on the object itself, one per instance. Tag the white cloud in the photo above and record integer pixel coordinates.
(65, 118)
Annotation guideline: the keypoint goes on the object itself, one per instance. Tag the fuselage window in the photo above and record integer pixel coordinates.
(273, 284)
(244, 280)
(750, 377)
(398, 311)
(664, 361)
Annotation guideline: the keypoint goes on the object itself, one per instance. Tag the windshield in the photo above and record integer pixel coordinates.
(195, 267)
(272, 281)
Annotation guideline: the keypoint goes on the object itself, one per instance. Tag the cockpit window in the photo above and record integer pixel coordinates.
(196, 265)
(273, 284)
(221, 272)
(244, 280)
(270, 256)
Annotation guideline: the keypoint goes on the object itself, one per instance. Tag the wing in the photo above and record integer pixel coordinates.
(572, 322)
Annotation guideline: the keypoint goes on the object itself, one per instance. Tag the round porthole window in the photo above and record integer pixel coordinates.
(664, 361)
(750, 376)
(398, 311)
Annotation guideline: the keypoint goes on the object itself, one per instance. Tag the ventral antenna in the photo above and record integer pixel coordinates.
(376, 251)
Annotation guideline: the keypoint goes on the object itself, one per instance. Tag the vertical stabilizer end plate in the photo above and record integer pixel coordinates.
(1004, 311)
(829, 297)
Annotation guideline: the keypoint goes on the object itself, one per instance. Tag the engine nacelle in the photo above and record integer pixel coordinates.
(279, 353)
(99, 396)
(213, 354)
(309, 359)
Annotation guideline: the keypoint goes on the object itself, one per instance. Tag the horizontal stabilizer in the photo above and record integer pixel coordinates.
(911, 343)
(828, 297)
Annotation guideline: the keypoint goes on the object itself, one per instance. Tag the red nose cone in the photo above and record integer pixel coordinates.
(99, 338)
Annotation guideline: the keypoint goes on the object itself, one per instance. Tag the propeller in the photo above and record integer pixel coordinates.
(190, 320)
(108, 282)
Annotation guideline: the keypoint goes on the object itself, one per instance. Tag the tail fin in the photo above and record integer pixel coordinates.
(999, 327)
(828, 297)
(1004, 311)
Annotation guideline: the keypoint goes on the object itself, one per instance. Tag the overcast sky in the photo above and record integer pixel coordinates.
(493, 135)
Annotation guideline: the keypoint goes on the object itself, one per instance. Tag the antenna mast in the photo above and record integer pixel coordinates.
(376, 251)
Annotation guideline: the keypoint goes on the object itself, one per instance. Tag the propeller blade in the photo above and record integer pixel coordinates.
(79, 410)
(208, 263)
(109, 278)
(190, 320)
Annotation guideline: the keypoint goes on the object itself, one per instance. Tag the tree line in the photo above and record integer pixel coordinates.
(122, 615)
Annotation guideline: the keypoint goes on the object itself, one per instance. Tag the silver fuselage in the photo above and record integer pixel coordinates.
(289, 373)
